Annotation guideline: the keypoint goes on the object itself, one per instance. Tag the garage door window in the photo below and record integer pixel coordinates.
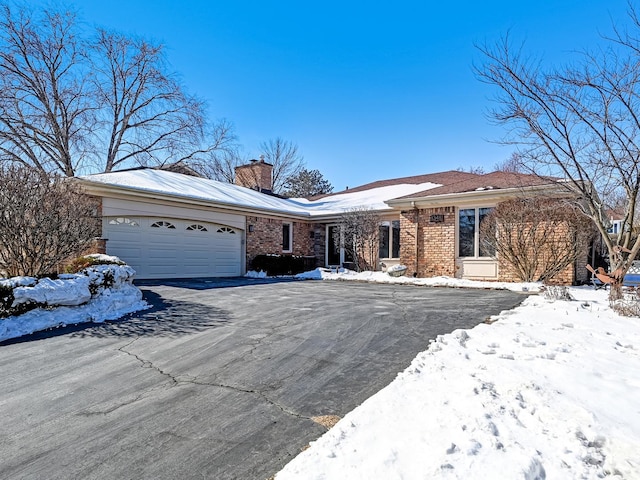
(197, 228)
(228, 230)
(124, 221)
(163, 224)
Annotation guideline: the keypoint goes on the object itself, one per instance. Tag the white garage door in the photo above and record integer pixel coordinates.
(174, 248)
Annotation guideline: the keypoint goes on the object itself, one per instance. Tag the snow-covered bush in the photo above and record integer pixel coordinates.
(80, 263)
(21, 294)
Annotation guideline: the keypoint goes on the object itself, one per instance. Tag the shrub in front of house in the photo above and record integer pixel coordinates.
(80, 263)
(275, 265)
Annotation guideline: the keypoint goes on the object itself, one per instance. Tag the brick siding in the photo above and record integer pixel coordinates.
(436, 247)
(266, 238)
(435, 242)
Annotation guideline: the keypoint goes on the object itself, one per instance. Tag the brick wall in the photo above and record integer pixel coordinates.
(435, 241)
(436, 247)
(266, 237)
(256, 175)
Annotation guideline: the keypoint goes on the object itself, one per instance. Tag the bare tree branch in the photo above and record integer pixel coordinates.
(358, 234)
(45, 117)
(285, 158)
(43, 221)
(580, 123)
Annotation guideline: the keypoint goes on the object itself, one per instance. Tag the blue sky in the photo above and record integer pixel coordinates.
(368, 90)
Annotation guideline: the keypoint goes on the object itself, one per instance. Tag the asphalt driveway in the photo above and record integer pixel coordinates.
(220, 380)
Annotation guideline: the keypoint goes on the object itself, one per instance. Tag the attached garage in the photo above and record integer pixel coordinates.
(161, 247)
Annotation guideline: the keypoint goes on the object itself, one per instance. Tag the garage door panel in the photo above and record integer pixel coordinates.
(190, 249)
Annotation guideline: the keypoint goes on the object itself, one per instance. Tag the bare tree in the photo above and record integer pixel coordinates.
(580, 123)
(306, 183)
(68, 103)
(512, 164)
(220, 163)
(147, 114)
(285, 158)
(537, 237)
(358, 233)
(45, 115)
(43, 221)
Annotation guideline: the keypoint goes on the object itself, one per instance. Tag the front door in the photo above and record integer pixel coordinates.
(336, 255)
(333, 246)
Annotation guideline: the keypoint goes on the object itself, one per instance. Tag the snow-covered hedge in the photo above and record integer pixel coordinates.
(103, 291)
(21, 294)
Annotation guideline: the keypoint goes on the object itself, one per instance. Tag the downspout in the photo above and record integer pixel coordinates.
(417, 245)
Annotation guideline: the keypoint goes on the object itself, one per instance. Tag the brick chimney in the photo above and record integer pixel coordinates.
(255, 175)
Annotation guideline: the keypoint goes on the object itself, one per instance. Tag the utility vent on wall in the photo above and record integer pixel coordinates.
(436, 218)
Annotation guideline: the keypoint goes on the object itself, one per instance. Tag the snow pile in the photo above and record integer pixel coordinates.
(381, 277)
(397, 268)
(254, 274)
(98, 293)
(550, 390)
(68, 291)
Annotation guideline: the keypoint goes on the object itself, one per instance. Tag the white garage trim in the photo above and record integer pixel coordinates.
(117, 207)
(165, 247)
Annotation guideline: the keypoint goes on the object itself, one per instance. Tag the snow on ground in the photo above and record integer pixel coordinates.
(382, 277)
(69, 291)
(550, 390)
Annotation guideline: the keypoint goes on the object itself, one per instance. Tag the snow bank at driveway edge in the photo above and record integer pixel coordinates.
(107, 302)
(549, 390)
(382, 277)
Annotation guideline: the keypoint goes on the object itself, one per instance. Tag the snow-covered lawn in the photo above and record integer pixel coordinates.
(69, 299)
(551, 389)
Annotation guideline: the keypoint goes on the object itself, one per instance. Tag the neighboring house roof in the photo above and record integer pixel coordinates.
(180, 167)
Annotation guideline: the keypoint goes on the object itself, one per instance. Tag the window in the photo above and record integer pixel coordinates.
(123, 221)
(389, 240)
(196, 227)
(469, 220)
(163, 224)
(228, 230)
(287, 237)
